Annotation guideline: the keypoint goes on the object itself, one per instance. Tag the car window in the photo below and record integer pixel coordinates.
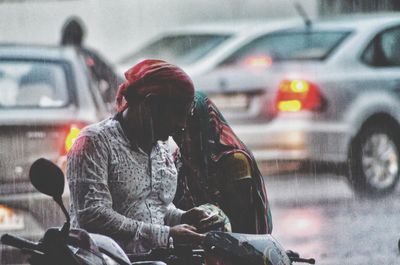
(384, 50)
(288, 46)
(179, 49)
(32, 84)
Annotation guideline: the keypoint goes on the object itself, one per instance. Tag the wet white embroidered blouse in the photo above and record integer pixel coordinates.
(122, 192)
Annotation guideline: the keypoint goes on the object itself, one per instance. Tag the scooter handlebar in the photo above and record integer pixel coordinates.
(19, 242)
(309, 261)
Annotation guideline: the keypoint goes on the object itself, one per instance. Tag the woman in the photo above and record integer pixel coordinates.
(218, 168)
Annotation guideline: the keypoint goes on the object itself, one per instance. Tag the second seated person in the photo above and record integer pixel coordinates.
(219, 170)
(121, 171)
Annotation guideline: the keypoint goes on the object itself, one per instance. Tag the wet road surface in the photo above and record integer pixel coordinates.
(319, 216)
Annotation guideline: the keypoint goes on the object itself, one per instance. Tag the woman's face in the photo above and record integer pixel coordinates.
(191, 140)
(169, 116)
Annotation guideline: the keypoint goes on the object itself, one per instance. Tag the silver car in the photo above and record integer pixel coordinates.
(47, 94)
(326, 92)
(200, 48)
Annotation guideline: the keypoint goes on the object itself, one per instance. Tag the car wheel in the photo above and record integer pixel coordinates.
(375, 161)
(398, 244)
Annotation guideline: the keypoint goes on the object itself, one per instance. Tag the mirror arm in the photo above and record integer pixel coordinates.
(66, 227)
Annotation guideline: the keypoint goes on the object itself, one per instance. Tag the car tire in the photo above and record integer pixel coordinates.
(375, 161)
(398, 244)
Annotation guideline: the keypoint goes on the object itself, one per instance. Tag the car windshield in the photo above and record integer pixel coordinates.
(32, 84)
(290, 45)
(179, 49)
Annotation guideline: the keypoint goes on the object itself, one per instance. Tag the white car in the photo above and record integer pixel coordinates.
(322, 92)
(199, 49)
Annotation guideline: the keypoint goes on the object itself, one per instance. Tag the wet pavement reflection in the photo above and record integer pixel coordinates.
(319, 216)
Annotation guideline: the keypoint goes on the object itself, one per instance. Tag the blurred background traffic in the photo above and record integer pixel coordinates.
(312, 87)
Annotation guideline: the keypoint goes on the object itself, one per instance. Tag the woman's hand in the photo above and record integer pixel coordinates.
(186, 234)
(194, 216)
(197, 217)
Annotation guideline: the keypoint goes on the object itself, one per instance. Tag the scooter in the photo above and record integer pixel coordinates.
(64, 245)
(78, 247)
(222, 248)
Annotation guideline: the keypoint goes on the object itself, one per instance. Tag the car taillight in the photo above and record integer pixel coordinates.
(297, 95)
(71, 136)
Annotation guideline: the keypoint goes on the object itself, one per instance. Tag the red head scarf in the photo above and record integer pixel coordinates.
(155, 77)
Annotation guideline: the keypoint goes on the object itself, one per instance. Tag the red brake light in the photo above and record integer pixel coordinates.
(296, 95)
(72, 134)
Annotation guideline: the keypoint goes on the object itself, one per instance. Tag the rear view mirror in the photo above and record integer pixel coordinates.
(47, 178)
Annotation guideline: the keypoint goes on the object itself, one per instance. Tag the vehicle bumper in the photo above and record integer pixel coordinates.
(296, 140)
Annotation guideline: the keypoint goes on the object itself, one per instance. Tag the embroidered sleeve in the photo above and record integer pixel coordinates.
(173, 215)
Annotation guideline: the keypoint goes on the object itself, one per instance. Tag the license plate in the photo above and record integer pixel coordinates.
(10, 219)
(231, 101)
